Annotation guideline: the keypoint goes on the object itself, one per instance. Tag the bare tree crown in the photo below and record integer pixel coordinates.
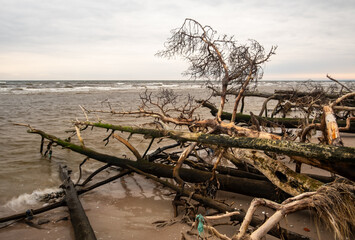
(217, 57)
(213, 56)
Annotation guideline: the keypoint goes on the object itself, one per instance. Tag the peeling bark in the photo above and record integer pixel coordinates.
(337, 159)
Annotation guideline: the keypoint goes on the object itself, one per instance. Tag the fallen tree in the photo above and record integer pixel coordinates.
(80, 222)
(340, 160)
(233, 184)
(228, 183)
(344, 125)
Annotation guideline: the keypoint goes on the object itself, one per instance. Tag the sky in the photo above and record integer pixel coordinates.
(118, 39)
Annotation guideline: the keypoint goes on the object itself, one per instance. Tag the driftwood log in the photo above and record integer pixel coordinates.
(79, 220)
(271, 122)
(336, 159)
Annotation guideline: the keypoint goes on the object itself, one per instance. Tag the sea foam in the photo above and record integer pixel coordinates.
(26, 200)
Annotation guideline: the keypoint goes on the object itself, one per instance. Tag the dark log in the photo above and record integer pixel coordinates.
(280, 94)
(250, 187)
(270, 122)
(34, 212)
(80, 222)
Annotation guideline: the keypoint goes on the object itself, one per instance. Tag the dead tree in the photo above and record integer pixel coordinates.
(217, 57)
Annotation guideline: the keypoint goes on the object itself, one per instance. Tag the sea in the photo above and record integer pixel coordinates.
(52, 106)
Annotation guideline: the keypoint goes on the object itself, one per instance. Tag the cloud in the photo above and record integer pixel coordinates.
(83, 38)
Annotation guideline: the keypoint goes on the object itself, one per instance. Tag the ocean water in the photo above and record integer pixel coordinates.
(52, 106)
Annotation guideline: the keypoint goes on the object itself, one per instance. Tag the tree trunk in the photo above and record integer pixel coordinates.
(337, 159)
(331, 129)
(280, 175)
(250, 187)
(80, 222)
(269, 122)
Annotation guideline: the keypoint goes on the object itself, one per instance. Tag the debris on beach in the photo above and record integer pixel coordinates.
(249, 151)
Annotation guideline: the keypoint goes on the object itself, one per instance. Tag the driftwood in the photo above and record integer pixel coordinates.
(234, 184)
(33, 211)
(281, 94)
(344, 125)
(340, 160)
(326, 200)
(280, 233)
(80, 222)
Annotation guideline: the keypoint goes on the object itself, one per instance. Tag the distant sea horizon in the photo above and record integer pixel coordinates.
(82, 86)
(168, 80)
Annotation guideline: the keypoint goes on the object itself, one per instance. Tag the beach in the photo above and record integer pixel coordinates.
(123, 209)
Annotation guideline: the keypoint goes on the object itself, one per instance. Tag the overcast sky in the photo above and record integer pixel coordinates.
(117, 39)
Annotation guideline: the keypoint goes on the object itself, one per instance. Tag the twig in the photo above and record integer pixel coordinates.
(84, 111)
(96, 185)
(334, 80)
(216, 217)
(149, 146)
(93, 174)
(348, 122)
(80, 172)
(79, 136)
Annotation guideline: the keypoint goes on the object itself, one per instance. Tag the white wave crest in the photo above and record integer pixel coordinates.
(27, 199)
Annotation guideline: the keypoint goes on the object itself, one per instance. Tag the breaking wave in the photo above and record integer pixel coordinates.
(28, 199)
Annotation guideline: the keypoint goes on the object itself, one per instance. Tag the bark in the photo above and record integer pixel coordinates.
(289, 181)
(34, 212)
(251, 172)
(183, 156)
(282, 211)
(347, 126)
(240, 95)
(80, 222)
(337, 159)
(279, 94)
(250, 187)
(285, 122)
(223, 99)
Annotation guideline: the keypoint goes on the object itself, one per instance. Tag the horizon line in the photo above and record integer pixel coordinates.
(198, 80)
